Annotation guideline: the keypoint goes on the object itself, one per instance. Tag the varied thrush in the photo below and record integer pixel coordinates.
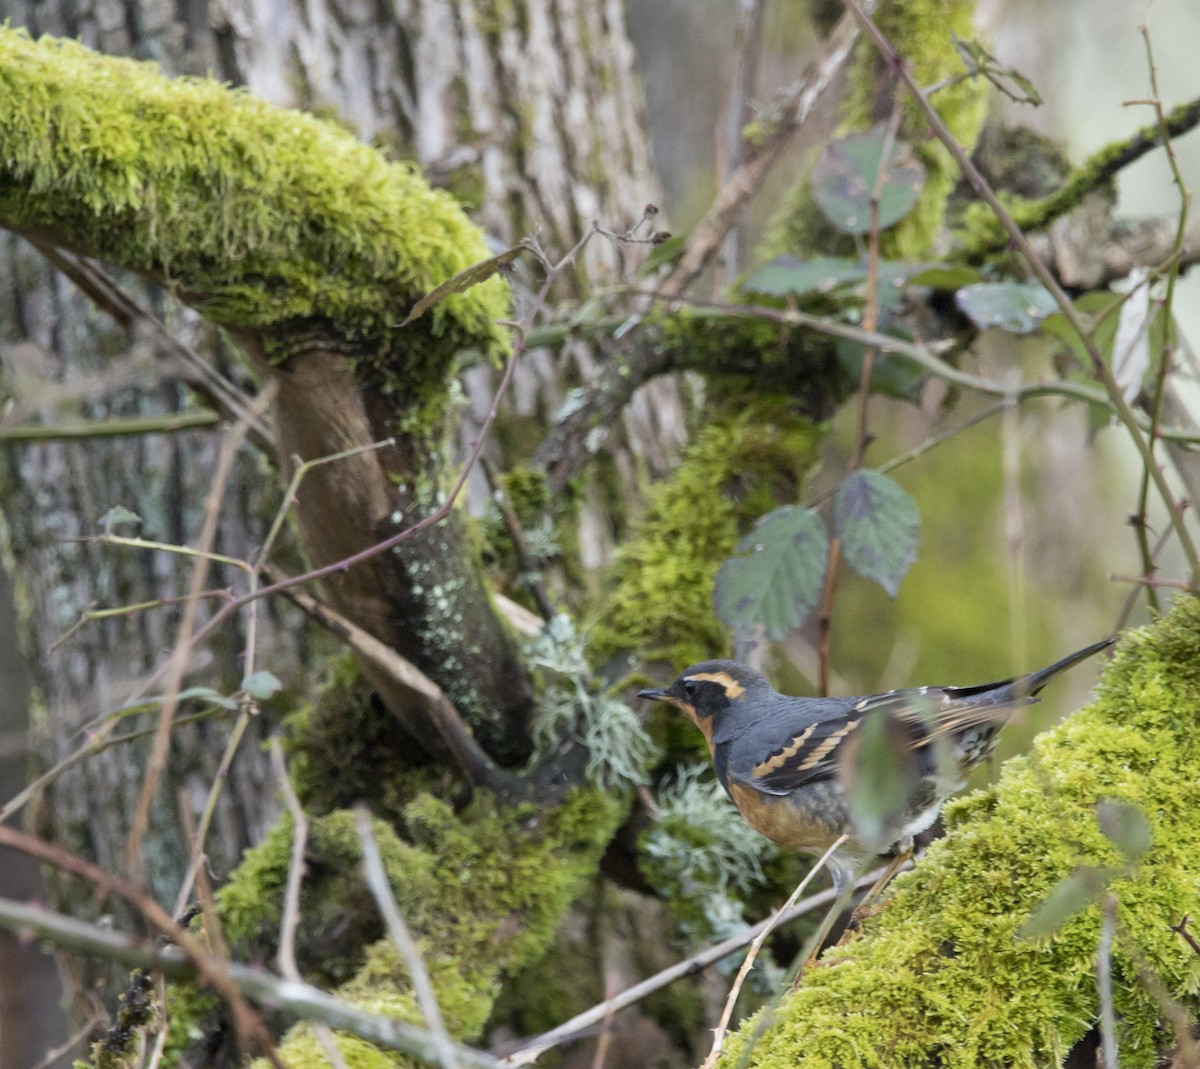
(783, 759)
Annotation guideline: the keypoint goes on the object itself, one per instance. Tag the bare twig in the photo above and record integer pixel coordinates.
(1108, 1016)
(162, 737)
(285, 996)
(789, 112)
(218, 391)
(926, 358)
(290, 921)
(470, 757)
(1182, 930)
(381, 890)
(1154, 582)
(197, 857)
(210, 969)
(55, 1053)
(755, 947)
(534, 1048)
(1100, 368)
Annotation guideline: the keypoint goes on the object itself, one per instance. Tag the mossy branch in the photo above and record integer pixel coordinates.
(264, 219)
(942, 975)
(984, 234)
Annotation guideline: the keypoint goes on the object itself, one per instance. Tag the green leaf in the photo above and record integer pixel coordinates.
(464, 280)
(892, 376)
(116, 515)
(946, 278)
(1017, 307)
(878, 772)
(664, 252)
(261, 686)
(845, 177)
(1066, 898)
(786, 276)
(777, 576)
(1126, 827)
(879, 527)
(979, 60)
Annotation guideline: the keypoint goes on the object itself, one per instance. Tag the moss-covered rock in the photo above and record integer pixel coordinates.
(942, 976)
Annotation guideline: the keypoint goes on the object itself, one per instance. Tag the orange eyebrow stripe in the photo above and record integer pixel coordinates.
(781, 758)
(733, 689)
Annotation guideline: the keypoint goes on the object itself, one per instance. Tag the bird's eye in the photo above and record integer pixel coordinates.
(690, 689)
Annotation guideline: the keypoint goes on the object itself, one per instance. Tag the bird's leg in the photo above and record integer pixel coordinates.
(863, 910)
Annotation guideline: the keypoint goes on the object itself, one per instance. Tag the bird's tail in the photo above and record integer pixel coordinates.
(1023, 688)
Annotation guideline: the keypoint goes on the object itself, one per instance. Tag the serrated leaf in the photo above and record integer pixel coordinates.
(261, 686)
(845, 177)
(1066, 898)
(777, 575)
(116, 515)
(946, 278)
(464, 280)
(879, 527)
(1126, 827)
(1017, 307)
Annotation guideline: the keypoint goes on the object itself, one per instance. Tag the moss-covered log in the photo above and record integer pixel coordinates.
(944, 977)
(310, 248)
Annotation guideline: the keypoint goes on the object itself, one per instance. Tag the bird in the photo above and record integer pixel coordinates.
(788, 763)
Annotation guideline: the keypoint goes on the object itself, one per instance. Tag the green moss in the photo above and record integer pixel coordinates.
(346, 747)
(737, 468)
(483, 892)
(265, 220)
(943, 977)
(921, 32)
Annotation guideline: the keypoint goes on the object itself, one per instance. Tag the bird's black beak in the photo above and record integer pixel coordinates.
(655, 694)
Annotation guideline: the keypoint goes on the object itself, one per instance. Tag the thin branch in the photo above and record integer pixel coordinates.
(755, 947)
(214, 972)
(290, 921)
(534, 1048)
(55, 1053)
(1099, 366)
(219, 392)
(253, 982)
(472, 760)
(1181, 929)
(127, 427)
(1108, 1016)
(925, 358)
(1094, 172)
(381, 890)
(789, 112)
(197, 857)
(162, 738)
